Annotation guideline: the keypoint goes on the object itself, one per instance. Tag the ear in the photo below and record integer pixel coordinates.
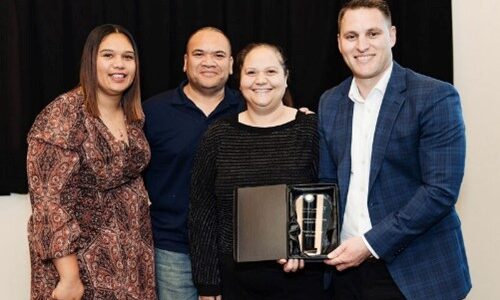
(392, 35)
(231, 61)
(338, 42)
(184, 68)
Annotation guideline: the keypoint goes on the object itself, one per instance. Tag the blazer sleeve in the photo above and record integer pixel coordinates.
(441, 153)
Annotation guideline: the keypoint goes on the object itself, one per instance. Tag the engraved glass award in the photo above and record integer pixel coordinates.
(314, 217)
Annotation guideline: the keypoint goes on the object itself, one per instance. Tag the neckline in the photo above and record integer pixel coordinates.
(234, 120)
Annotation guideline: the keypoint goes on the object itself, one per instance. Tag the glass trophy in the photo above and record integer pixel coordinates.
(314, 216)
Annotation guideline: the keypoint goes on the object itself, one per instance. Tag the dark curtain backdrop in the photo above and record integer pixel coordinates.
(42, 40)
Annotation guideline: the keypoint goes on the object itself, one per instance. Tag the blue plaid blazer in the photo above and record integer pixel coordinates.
(417, 167)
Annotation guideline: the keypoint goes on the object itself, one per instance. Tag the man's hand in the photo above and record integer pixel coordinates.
(350, 253)
(291, 265)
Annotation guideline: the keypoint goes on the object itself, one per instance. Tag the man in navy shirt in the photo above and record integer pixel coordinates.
(175, 123)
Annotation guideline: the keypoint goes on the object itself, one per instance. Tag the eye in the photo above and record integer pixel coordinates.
(350, 37)
(271, 72)
(129, 57)
(250, 72)
(373, 34)
(198, 54)
(220, 55)
(107, 54)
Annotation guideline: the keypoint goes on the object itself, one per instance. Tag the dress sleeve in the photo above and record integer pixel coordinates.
(52, 229)
(203, 223)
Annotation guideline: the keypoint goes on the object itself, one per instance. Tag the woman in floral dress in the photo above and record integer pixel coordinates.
(89, 232)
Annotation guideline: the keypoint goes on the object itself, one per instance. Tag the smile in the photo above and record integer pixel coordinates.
(262, 91)
(118, 77)
(364, 57)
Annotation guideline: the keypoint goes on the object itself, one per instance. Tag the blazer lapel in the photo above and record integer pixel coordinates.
(343, 130)
(345, 111)
(391, 105)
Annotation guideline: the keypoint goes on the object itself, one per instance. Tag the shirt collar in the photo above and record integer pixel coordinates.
(231, 97)
(380, 87)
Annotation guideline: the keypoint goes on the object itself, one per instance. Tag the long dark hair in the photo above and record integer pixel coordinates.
(131, 99)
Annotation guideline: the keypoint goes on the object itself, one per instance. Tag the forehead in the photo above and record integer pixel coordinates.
(360, 19)
(262, 55)
(208, 40)
(116, 41)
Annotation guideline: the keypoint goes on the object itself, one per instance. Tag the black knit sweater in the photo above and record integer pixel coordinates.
(235, 155)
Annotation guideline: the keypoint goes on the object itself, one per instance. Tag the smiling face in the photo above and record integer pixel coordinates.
(208, 61)
(365, 41)
(115, 65)
(263, 78)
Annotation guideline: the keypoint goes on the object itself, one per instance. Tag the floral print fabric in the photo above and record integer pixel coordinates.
(88, 198)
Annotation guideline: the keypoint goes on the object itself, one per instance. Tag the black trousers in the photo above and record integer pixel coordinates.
(267, 281)
(369, 281)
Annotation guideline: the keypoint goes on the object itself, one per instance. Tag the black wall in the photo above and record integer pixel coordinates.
(41, 43)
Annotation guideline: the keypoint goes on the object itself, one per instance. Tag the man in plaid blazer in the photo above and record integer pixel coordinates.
(394, 142)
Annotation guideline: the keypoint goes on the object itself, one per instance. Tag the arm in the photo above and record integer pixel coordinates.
(441, 156)
(53, 231)
(203, 224)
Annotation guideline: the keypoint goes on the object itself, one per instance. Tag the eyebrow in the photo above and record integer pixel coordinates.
(205, 51)
(111, 50)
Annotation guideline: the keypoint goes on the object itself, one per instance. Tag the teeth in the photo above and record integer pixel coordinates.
(118, 76)
(364, 58)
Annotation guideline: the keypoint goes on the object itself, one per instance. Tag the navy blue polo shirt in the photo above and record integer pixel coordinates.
(174, 128)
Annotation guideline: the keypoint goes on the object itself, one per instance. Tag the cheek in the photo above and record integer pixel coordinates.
(132, 70)
(279, 82)
(245, 82)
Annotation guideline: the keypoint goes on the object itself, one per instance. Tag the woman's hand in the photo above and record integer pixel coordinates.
(218, 297)
(291, 265)
(68, 290)
(70, 286)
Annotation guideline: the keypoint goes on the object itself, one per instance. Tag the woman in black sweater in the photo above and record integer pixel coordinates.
(269, 143)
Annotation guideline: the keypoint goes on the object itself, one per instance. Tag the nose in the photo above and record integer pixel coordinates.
(260, 78)
(208, 61)
(362, 44)
(118, 62)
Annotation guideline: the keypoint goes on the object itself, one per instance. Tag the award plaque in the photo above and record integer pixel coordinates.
(285, 221)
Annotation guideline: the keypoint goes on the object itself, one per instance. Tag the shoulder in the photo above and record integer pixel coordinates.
(426, 87)
(307, 119)
(162, 99)
(332, 96)
(232, 94)
(222, 126)
(61, 122)
(234, 99)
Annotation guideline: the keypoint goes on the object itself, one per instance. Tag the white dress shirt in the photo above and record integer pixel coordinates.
(364, 120)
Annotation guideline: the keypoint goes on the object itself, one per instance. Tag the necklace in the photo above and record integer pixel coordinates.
(120, 134)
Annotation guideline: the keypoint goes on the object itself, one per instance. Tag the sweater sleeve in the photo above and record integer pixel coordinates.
(203, 223)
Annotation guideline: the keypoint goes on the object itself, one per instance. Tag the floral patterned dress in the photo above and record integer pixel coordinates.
(88, 198)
